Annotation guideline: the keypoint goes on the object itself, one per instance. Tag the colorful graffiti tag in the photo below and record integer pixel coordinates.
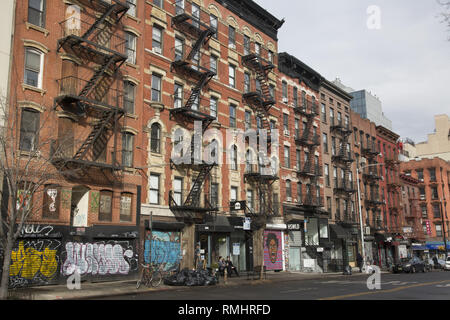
(34, 262)
(98, 259)
(273, 254)
(165, 249)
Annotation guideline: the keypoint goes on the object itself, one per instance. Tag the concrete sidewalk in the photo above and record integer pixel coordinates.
(118, 288)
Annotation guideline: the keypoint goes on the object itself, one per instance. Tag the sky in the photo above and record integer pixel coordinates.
(406, 62)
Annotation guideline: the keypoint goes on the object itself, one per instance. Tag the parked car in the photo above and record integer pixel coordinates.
(437, 263)
(412, 265)
(447, 264)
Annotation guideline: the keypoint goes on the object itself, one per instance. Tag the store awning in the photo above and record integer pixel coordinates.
(337, 232)
(163, 225)
(216, 224)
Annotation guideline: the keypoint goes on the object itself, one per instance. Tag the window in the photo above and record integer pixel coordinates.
(232, 116)
(178, 191)
(246, 82)
(246, 45)
(299, 192)
(324, 113)
(420, 175)
(295, 94)
(250, 200)
(155, 136)
(132, 10)
(214, 194)
(159, 3)
(213, 65)
(125, 206)
(157, 39)
(327, 175)
(287, 157)
(432, 173)
(34, 60)
(179, 49)
(156, 88)
(436, 211)
(257, 49)
(248, 120)
(105, 210)
(52, 199)
(434, 193)
(325, 143)
(234, 194)
(154, 188)
(127, 149)
(331, 117)
(270, 56)
(36, 12)
(304, 99)
(438, 230)
(195, 15)
(232, 37)
(178, 96)
(234, 160)
(299, 159)
(213, 21)
(329, 205)
(286, 123)
(232, 76)
(335, 177)
(29, 130)
(284, 90)
(288, 190)
(297, 128)
(130, 47)
(272, 91)
(129, 96)
(333, 146)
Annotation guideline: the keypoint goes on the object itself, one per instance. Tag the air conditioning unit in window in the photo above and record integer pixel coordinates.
(157, 50)
(285, 100)
(367, 230)
(286, 132)
(288, 199)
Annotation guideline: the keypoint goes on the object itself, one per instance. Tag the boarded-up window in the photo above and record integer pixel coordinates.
(105, 212)
(69, 75)
(125, 206)
(52, 199)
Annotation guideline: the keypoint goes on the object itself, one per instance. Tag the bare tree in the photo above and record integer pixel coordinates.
(445, 14)
(26, 151)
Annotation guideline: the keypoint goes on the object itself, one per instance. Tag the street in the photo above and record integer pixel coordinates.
(419, 286)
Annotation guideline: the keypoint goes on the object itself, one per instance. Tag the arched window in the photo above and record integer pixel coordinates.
(155, 144)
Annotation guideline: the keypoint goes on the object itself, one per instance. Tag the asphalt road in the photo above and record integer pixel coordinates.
(419, 286)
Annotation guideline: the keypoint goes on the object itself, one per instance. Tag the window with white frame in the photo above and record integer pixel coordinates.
(34, 63)
(127, 149)
(156, 87)
(178, 96)
(132, 10)
(232, 76)
(154, 188)
(213, 107)
(157, 39)
(36, 12)
(178, 190)
(130, 47)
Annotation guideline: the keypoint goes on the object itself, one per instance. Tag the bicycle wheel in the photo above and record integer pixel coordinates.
(156, 279)
(141, 278)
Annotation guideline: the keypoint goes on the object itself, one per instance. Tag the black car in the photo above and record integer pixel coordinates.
(412, 265)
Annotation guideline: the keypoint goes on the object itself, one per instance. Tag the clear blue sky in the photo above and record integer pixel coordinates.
(405, 63)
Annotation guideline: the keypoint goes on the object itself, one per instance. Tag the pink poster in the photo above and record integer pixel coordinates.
(273, 254)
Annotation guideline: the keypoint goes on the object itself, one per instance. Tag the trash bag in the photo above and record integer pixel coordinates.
(192, 278)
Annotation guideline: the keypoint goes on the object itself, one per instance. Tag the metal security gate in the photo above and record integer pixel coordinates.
(295, 244)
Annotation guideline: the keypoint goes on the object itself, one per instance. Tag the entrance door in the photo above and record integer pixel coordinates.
(80, 206)
(294, 258)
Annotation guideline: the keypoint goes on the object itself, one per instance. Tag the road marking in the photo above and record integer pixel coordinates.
(384, 291)
(298, 290)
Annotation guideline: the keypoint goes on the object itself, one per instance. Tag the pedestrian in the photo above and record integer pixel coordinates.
(230, 267)
(359, 260)
(222, 265)
(196, 256)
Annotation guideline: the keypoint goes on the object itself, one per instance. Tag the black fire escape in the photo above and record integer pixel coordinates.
(261, 100)
(94, 40)
(311, 200)
(188, 63)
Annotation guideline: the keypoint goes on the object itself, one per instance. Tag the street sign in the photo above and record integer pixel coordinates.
(247, 224)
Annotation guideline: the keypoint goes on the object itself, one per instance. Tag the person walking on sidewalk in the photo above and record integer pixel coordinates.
(222, 265)
(196, 257)
(359, 260)
(230, 267)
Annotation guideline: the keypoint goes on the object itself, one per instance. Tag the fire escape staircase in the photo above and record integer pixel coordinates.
(92, 47)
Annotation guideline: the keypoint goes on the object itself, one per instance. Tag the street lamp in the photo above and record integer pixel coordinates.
(358, 170)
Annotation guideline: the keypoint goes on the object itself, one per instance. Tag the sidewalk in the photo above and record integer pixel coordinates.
(128, 287)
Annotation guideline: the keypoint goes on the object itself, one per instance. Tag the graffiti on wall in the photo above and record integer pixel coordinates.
(34, 262)
(165, 249)
(112, 258)
(286, 251)
(273, 254)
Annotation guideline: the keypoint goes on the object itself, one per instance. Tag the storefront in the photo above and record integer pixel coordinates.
(224, 237)
(295, 246)
(437, 249)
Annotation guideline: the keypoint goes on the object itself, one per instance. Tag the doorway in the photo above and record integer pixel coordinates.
(79, 207)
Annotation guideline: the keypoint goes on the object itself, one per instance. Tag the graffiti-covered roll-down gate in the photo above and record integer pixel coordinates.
(48, 254)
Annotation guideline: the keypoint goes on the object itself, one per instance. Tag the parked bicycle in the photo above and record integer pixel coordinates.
(150, 275)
